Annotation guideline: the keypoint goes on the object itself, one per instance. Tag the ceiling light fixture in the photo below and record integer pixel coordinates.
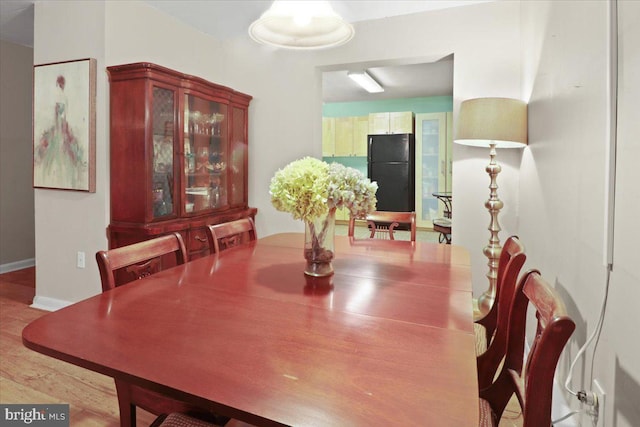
(366, 81)
(301, 25)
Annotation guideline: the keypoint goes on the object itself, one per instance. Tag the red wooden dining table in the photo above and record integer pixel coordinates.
(387, 340)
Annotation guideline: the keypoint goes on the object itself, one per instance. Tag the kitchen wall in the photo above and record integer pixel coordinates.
(17, 245)
(428, 104)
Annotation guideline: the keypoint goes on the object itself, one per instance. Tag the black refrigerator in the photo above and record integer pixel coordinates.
(391, 163)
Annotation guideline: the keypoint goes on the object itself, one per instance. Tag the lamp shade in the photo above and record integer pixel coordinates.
(301, 25)
(485, 121)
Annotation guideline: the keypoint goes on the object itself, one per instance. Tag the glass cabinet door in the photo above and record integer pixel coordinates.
(205, 154)
(238, 159)
(163, 151)
(433, 170)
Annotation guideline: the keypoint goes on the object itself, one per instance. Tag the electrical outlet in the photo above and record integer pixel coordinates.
(597, 414)
(80, 260)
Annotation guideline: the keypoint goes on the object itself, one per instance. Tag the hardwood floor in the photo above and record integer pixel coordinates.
(30, 377)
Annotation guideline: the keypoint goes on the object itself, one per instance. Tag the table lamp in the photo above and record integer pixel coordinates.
(492, 123)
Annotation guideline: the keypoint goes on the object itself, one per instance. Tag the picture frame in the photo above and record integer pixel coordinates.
(64, 125)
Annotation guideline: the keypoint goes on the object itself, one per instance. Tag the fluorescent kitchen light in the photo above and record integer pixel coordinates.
(366, 81)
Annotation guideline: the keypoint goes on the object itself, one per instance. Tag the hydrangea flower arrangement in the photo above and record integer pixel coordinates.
(309, 188)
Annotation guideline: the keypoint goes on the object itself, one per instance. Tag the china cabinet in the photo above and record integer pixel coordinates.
(178, 150)
(434, 138)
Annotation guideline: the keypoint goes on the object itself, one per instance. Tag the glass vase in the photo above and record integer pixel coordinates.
(319, 245)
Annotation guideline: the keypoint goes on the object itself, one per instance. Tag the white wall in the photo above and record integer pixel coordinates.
(563, 185)
(67, 221)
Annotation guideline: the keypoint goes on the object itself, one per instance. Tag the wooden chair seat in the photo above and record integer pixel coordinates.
(228, 234)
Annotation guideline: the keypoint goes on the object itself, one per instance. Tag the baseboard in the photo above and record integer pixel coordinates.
(17, 265)
(49, 304)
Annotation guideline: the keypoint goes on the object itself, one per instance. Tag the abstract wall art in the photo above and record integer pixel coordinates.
(64, 101)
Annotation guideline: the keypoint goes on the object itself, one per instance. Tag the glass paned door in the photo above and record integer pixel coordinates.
(238, 159)
(205, 154)
(431, 166)
(163, 137)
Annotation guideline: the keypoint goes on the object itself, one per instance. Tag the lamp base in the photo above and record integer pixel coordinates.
(485, 302)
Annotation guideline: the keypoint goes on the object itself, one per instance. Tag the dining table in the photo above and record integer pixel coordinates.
(387, 340)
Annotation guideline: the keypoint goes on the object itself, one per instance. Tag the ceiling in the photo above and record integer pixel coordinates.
(400, 81)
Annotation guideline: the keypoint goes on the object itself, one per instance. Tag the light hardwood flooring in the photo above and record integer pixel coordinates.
(30, 377)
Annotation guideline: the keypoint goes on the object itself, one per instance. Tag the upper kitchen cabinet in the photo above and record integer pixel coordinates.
(434, 138)
(345, 136)
(179, 149)
(360, 132)
(391, 122)
(328, 136)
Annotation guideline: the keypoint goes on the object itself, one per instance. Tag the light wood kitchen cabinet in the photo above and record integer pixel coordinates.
(434, 138)
(360, 132)
(345, 136)
(391, 122)
(328, 136)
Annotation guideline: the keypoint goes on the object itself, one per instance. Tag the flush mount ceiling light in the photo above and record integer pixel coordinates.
(301, 25)
(366, 81)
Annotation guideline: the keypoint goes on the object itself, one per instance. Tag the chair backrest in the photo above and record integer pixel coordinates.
(383, 224)
(495, 322)
(127, 263)
(532, 385)
(229, 234)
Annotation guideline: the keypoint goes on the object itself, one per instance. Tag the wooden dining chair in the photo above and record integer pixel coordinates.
(383, 224)
(512, 258)
(123, 265)
(532, 383)
(491, 329)
(127, 263)
(228, 234)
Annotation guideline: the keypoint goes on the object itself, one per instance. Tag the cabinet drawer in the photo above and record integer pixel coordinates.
(198, 240)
